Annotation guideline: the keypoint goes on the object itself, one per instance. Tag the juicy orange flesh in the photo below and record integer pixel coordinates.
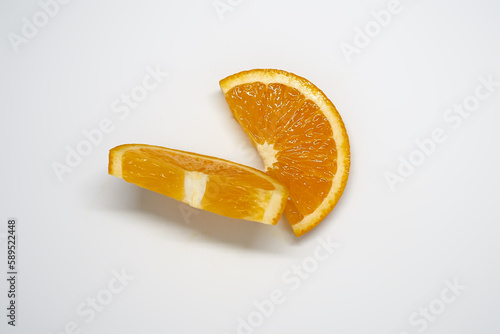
(280, 115)
(229, 191)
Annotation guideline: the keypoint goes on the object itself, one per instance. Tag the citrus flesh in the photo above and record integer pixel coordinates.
(300, 136)
(203, 182)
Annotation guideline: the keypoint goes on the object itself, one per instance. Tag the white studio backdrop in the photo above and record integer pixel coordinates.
(410, 248)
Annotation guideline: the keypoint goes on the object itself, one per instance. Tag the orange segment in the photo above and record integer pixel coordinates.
(299, 135)
(204, 182)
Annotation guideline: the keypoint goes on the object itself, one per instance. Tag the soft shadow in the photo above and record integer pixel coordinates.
(125, 197)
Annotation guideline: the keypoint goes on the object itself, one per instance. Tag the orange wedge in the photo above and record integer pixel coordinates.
(299, 135)
(203, 182)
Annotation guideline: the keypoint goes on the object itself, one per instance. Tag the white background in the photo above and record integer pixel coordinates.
(196, 272)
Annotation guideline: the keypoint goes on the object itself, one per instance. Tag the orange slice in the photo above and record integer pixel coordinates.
(203, 182)
(299, 135)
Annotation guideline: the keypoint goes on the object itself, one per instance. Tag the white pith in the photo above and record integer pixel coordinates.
(195, 184)
(268, 154)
